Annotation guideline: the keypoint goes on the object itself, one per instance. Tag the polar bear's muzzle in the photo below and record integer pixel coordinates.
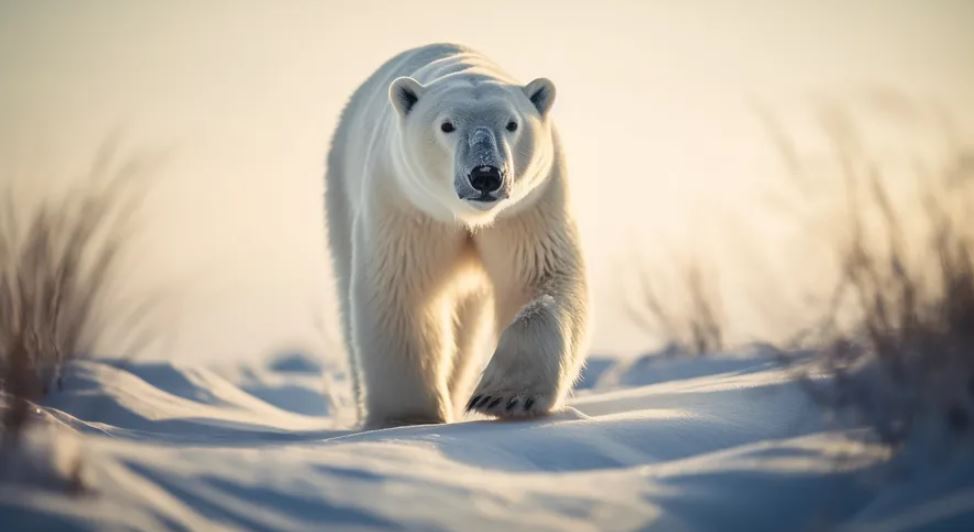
(481, 173)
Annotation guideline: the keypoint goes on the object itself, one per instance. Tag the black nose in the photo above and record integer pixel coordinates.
(485, 179)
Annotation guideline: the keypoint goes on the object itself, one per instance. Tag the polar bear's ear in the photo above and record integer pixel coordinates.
(541, 92)
(404, 92)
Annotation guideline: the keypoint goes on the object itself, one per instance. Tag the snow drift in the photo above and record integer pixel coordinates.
(668, 443)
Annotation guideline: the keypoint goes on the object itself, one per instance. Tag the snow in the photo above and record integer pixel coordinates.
(662, 442)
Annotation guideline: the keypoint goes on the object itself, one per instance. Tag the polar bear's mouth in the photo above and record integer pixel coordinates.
(484, 201)
(483, 198)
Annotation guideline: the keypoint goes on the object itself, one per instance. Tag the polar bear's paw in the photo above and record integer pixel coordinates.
(523, 378)
(513, 394)
(510, 404)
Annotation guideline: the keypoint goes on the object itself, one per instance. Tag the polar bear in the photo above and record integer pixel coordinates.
(451, 235)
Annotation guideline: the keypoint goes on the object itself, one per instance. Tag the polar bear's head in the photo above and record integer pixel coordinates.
(470, 149)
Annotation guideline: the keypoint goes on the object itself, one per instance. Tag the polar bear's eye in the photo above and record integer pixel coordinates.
(447, 127)
(512, 126)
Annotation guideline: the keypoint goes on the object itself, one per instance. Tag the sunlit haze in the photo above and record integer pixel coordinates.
(231, 105)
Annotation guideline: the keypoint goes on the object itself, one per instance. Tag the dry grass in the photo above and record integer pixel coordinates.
(692, 325)
(56, 263)
(898, 337)
(910, 356)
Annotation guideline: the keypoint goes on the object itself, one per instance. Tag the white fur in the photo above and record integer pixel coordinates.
(428, 280)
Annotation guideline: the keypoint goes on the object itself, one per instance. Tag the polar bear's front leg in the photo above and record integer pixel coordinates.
(537, 269)
(402, 332)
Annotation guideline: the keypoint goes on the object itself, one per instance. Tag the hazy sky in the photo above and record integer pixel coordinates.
(235, 101)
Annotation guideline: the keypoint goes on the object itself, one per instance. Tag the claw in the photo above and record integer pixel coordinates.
(473, 402)
(483, 402)
(528, 403)
(494, 403)
(511, 403)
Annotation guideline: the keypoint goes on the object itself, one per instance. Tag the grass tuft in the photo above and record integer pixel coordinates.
(898, 336)
(693, 328)
(57, 260)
